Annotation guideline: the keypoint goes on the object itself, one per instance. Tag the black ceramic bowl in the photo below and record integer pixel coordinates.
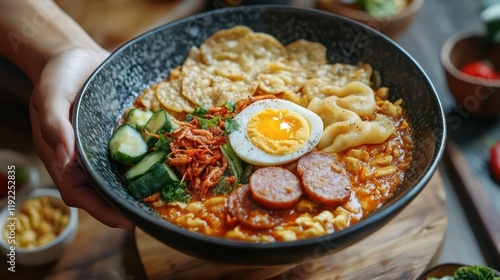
(445, 269)
(147, 60)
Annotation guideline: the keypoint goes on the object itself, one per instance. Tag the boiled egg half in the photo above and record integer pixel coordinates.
(275, 131)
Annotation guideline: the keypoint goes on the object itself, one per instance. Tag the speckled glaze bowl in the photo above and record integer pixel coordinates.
(148, 59)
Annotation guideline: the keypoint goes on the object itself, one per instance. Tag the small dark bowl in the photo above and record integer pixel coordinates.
(393, 26)
(480, 97)
(147, 60)
(442, 270)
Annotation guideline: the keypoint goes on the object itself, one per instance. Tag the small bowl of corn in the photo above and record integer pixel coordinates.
(37, 228)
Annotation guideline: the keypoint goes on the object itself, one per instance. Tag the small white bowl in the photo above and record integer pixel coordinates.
(46, 253)
(13, 161)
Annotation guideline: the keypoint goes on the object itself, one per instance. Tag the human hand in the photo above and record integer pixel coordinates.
(50, 109)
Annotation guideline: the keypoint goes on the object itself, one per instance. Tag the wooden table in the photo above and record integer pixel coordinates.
(103, 253)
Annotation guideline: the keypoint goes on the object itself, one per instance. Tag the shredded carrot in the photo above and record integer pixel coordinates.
(196, 155)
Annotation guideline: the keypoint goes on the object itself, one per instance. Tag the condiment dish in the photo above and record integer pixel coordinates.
(13, 229)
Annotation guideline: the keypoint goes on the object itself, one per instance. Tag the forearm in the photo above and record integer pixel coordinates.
(31, 31)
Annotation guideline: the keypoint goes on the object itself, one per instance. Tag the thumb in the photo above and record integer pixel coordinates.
(54, 94)
(55, 126)
(53, 109)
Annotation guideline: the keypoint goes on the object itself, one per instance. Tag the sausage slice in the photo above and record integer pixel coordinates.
(275, 188)
(325, 186)
(314, 159)
(249, 213)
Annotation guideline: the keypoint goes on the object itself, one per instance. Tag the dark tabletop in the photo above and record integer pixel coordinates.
(437, 21)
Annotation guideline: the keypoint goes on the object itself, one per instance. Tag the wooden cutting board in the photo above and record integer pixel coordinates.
(113, 22)
(401, 249)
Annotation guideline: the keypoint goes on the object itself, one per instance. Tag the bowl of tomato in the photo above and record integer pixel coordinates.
(472, 69)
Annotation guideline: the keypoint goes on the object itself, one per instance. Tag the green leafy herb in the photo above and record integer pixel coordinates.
(225, 184)
(247, 171)
(490, 16)
(163, 144)
(22, 174)
(382, 8)
(230, 106)
(175, 192)
(239, 169)
(479, 272)
(232, 159)
(474, 272)
(206, 123)
(230, 125)
(201, 111)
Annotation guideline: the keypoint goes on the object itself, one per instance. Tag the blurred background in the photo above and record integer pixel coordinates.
(420, 27)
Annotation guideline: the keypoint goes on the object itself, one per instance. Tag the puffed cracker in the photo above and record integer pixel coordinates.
(197, 85)
(202, 87)
(233, 91)
(223, 45)
(230, 70)
(148, 100)
(281, 81)
(169, 95)
(341, 74)
(193, 57)
(258, 50)
(306, 53)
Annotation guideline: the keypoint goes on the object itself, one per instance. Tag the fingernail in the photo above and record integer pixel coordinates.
(62, 155)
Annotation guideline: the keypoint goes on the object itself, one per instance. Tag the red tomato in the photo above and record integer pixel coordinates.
(495, 161)
(480, 69)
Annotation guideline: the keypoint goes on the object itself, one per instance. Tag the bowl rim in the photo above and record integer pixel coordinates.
(448, 47)
(412, 8)
(66, 232)
(357, 229)
(454, 265)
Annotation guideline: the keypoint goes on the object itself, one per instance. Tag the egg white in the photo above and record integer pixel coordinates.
(248, 152)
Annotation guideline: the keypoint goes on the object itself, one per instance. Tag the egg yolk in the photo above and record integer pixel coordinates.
(278, 131)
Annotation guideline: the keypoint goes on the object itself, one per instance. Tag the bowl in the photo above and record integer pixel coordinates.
(146, 60)
(21, 169)
(477, 96)
(42, 254)
(393, 26)
(442, 270)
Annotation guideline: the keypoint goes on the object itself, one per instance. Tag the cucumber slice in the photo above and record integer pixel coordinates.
(138, 118)
(152, 181)
(126, 145)
(160, 122)
(146, 163)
